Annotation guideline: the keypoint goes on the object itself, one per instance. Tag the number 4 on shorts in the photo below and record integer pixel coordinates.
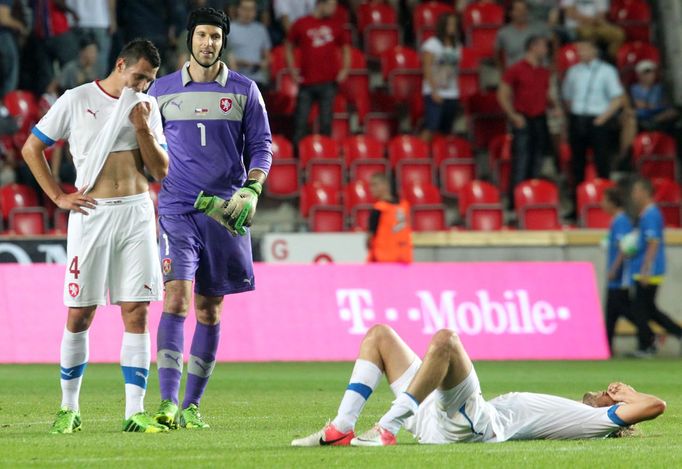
(73, 267)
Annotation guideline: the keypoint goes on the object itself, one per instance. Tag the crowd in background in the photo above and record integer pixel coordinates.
(48, 46)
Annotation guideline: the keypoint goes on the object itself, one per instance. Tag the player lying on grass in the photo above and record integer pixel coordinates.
(439, 401)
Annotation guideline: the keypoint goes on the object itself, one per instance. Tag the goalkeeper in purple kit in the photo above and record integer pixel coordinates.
(214, 120)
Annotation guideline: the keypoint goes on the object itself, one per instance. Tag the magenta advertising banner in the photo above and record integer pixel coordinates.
(502, 311)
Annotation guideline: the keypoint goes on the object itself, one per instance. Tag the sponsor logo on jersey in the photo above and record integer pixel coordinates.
(176, 103)
(74, 290)
(94, 113)
(200, 111)
(166, 266)
(225, 105)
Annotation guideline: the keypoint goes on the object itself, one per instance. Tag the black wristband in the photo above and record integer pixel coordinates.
(254, 185)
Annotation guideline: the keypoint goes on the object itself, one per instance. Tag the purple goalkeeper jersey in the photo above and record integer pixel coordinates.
(210, 129)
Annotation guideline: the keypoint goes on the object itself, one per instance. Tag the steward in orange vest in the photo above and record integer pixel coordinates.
(390, 235)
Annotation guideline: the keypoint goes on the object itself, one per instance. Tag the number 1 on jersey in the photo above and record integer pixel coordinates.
(202, 129)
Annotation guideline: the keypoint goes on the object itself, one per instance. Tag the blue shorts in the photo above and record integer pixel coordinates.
(193, 246)
(440, 117)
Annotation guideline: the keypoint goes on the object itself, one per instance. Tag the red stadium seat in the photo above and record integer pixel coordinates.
(364, 156)
(469, 71)
(454, 159)
(409, 155)
(500, 154)
(481, 22)
(358, 202)
(60, 222)
(634, 16)
(380, 125)
(283, 180)
(403, 147)
(319, 157)
(655, 155)
(23, 106)
(566, 57)
(632, 53)
(375, 14)
(427, 209)
(321, 206)
(537, 205)
(378, 25)
(16, 196)
(401, 67)
(356, 87)
(479, 204)
(26, 221)
(486, 118)
(425, 17)
(669, 199)
(590, 195)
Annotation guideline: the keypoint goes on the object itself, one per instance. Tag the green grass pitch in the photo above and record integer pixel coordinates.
(255, 410)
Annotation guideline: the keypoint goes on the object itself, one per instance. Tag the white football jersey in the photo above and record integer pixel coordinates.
(79, 115)
(528, 416)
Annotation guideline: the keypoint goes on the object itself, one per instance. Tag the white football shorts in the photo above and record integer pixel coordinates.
(113, 250)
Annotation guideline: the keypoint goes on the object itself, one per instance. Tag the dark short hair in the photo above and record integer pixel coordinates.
(140, 49)
(442, 25)
(615, 196)
(530, 42)
(645, 184)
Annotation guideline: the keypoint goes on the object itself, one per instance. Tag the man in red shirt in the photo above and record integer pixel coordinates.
(317, 36)
(524, 96)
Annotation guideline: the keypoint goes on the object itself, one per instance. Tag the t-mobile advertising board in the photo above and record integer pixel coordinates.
(502, 311)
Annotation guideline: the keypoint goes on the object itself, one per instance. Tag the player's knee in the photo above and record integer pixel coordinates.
(176, 304)
(378, 332)
(445, 341)
(135, 317)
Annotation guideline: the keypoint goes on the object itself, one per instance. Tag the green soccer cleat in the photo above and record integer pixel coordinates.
(167, 415)
(191, 418)
(142, 422)
(67, 421)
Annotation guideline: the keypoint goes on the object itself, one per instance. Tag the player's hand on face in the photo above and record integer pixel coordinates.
(619, 391)
(139, 116)
(76, 201)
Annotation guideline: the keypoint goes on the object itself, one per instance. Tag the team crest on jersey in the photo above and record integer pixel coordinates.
(74, 290)
(166, 266)
(225, 105)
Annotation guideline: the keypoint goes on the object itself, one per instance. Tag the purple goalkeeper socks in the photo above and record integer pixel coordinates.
(201, 361)
(170, 342)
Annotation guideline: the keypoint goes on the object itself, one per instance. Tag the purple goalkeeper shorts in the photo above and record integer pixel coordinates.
(193, 246)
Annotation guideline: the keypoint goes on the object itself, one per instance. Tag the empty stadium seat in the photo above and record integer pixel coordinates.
(566, 57)
(380, 125)
(654, 154)
(668, 198)
(358, 203)
(425, 17)
(320, 159)
(479, 204)
(356, 86)
(401, 68)
(378, 25)
(634, 16)
(537, 205)
(27, 221)
(321, 207)
(454, 159)
(589, 196)
(22, 105)
(630, 54)
(60, 222)
(481, 22)
(410, 157)
(468, 77)
(16, 196)
(364, 156)
(427, 209)
(283, 180)
(486, 118)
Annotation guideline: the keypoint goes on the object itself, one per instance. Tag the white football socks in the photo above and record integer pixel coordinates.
(363, 381)
(73, 359)
(135, 359)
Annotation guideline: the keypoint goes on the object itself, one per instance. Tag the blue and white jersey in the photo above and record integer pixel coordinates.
(620, 226)
(651, 227)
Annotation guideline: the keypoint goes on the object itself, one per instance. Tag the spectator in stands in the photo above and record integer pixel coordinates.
(648, 268)
(586, 20)
(440, 59)
(51, 40)
(593, 95)
(524, 95)
(249, 44)
(545, 11)
(80, 71)
(390, 235)
(287, 12)
(511, 39)
(653, 110)
(318, 37)
(11, 31)
(617, 264)
(97, 20)
(7, 162)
